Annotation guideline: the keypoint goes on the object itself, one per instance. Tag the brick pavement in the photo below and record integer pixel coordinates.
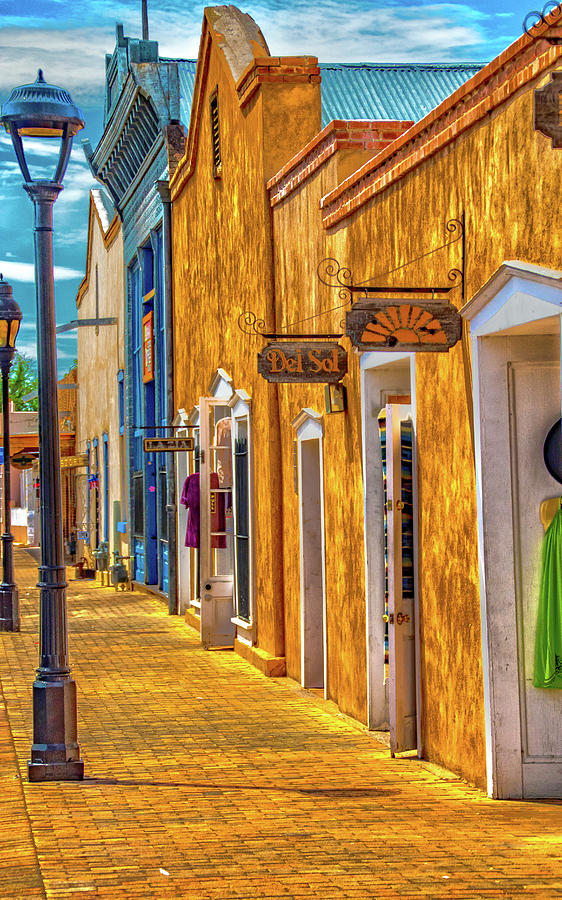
(206, 780)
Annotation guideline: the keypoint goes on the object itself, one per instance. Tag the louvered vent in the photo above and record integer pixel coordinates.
(215, 135)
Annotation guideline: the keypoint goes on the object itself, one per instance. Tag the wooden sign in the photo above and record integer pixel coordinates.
(169, 445)
(412, 326)
(547, 109)
(305, 361)
(148, 347)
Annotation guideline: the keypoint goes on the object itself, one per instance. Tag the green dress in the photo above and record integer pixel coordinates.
(548, 641)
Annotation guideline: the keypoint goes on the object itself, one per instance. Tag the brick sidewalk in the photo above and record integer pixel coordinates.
(204, 780)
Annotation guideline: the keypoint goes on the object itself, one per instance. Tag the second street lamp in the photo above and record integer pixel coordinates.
(10, 318)
(46, 112)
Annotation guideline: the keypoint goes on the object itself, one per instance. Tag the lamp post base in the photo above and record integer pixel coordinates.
(9, 608)
(55, 754)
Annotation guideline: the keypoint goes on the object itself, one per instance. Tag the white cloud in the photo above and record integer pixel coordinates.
(71, 57)
(24, 271)
(353, 31)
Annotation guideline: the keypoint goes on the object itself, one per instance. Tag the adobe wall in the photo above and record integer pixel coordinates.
(221, 232)
(505, 177)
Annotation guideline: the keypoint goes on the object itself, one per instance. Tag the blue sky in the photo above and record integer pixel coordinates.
(68, 39)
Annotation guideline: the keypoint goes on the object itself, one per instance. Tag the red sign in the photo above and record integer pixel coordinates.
(148, 347)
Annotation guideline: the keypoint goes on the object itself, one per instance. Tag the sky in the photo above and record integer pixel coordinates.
(68, 39)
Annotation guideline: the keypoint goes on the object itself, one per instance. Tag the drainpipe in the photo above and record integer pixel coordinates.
(164, 191)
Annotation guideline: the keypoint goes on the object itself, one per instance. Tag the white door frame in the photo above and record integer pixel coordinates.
(309, 427)
(185, 424)
(379, 377)
(241, 408)
(519, 299)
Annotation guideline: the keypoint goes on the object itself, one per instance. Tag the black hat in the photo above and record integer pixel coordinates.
(553, 451)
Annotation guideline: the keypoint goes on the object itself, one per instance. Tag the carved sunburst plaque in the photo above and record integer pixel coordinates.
(418, 325)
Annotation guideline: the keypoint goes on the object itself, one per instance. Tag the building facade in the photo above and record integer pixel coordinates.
(290, 545)
(147, 100)
(101, 480)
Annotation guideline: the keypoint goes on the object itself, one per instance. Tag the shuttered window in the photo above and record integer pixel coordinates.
(215, 135)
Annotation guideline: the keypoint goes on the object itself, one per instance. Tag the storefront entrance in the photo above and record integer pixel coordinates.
(391, 546)
(310, 432)
(515, 334)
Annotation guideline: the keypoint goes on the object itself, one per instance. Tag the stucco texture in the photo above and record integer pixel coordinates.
(505, 177)
(100, 356)
(222, 266)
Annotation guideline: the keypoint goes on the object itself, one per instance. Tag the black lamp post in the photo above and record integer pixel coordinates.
(44, 111)
(10, 317)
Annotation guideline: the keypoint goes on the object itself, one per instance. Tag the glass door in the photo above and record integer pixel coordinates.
(216, 524)
(400, 577)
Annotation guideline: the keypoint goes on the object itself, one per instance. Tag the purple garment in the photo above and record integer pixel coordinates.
(190, 499)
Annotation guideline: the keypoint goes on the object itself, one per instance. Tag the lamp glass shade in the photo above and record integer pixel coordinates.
(41, 110)
(4, 329)
(14, 328)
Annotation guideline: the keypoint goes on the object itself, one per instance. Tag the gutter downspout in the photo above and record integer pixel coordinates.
(171, 509)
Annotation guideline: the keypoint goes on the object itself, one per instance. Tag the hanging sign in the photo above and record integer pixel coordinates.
(148, 347)
(304, 361)
(547, 109)
(417, 325)
(169, 445)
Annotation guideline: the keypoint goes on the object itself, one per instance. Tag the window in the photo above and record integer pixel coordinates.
(215, 134)
(138, 504)
(163, 498)
(241, 520)
(105, 487)
(136, 380)
(240, 404)
(121, 390)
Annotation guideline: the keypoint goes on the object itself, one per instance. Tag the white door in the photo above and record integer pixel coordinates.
(534, 408)
(401, 625)
(184, 568)
(215, 538)
(312, 564)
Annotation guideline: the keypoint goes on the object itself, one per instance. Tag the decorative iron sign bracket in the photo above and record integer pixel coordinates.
(249, 324)
(400, 321)
(535, 20)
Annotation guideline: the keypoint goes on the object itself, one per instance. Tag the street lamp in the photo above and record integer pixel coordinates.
(10, 318)
(43, 111)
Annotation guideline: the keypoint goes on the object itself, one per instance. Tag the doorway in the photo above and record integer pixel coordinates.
(390, 510)
(312, 561)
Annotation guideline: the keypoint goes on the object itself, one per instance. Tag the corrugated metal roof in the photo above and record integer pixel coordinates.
(186, 73)
(389, 90)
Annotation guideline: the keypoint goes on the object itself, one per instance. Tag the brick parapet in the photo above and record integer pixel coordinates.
(339, 134)
(519, 64)
(276, 70)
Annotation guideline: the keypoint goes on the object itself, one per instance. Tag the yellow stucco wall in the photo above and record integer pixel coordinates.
(222, 265)
(506, 178)
(100, 356)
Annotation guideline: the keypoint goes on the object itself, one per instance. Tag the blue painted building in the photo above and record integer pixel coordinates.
(146, 112)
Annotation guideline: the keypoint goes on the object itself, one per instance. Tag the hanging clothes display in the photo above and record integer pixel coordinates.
(190, 499)
(218, 541)
(548, 639)
(223, 443)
